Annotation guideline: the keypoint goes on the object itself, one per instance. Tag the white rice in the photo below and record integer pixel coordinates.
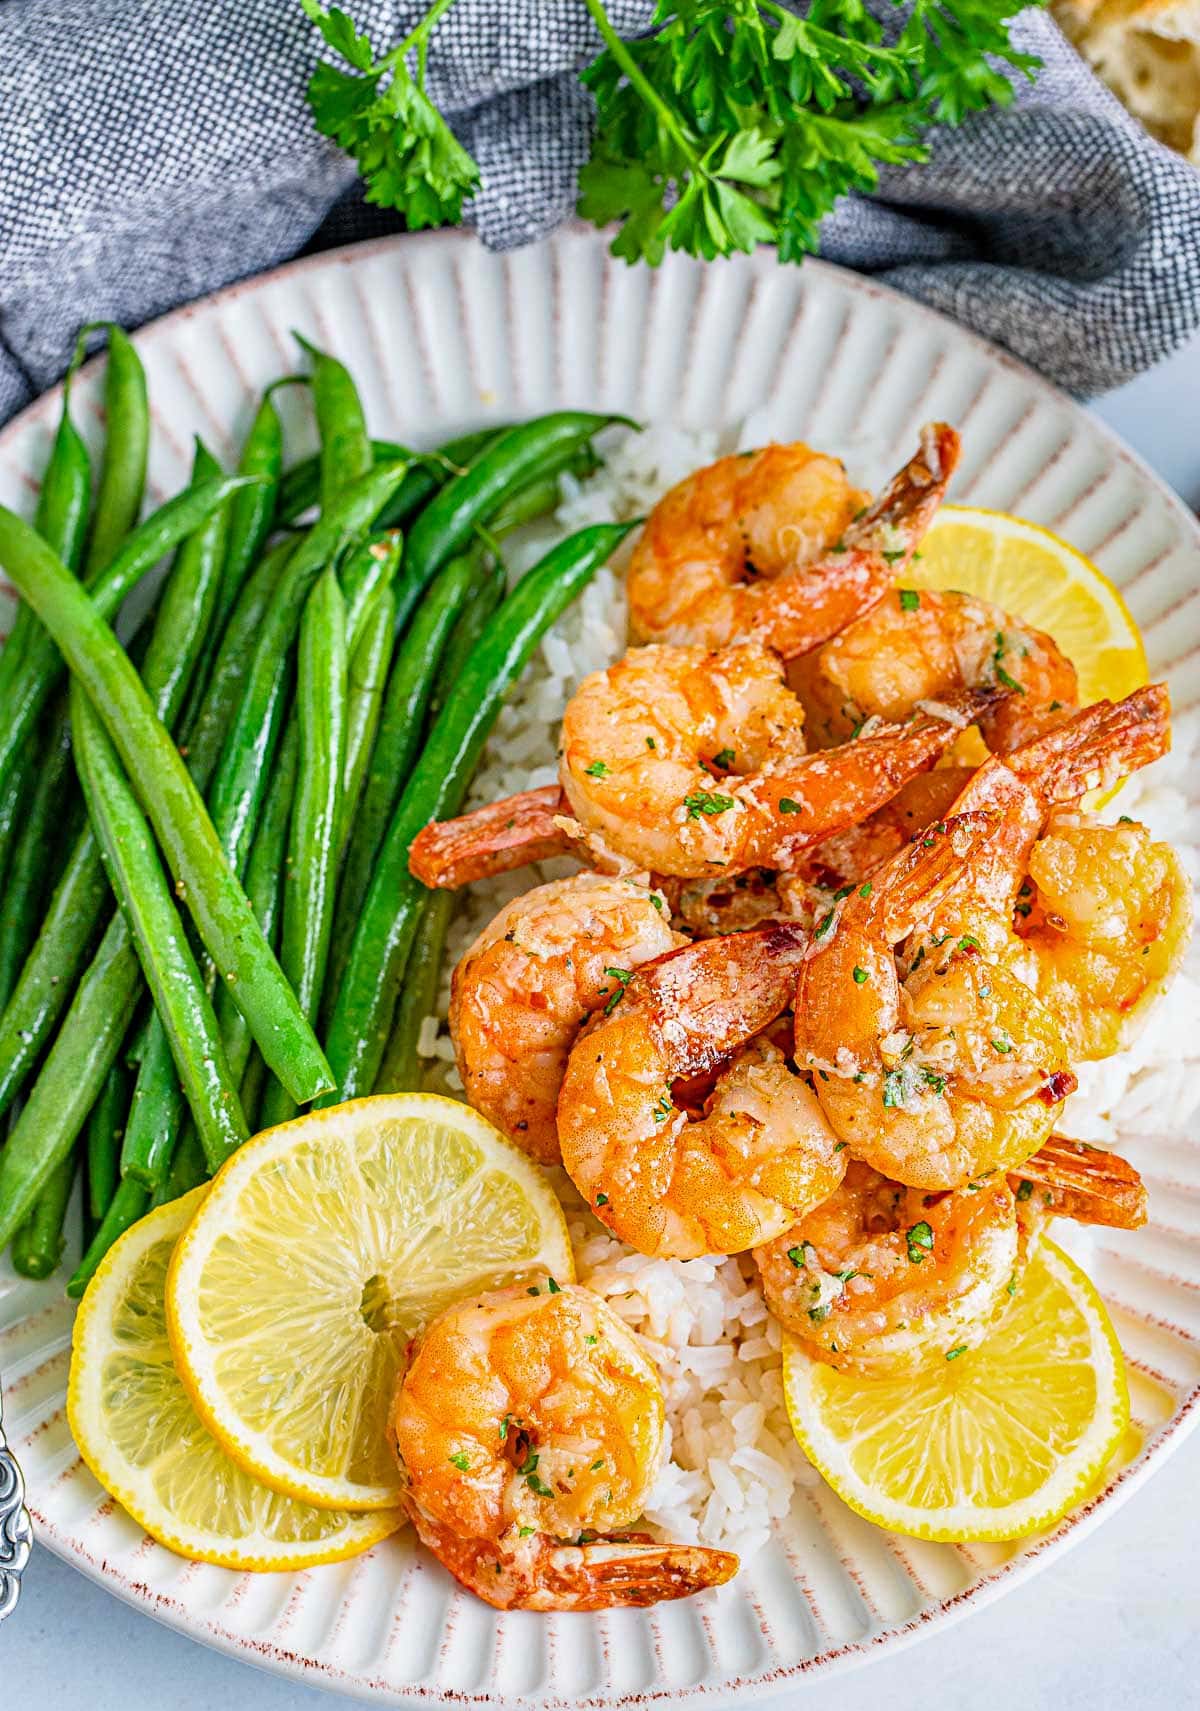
(732, 1462)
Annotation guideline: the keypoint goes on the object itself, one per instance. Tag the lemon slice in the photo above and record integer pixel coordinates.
(993, 1443)
(138, 1432)
(1036, 576)
(322, 1248)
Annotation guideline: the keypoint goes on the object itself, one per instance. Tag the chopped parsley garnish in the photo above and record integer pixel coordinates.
(842, 1145)
(1011, 1286)
(461, 1460)
(597, 769)
(650, 743)
(953, 1354)
(1002, 1045)
(525, 1532)
(968, 943)
(998, 670)
(931, 1078)
(622, 976)
(893, 555)
(799, 1255)
(894, 1089)
(504, 1427)
(818, 1315)
(602, 1199)
(706, 802)
(663, 1108)
(657, 901)
(908, 597)
(860, 976)
(597, 1465)
(920, 1242)
(865, 890)
(533, 1290)
(824, 924)
(725, 758)
(787, 806)
(1024, 1190)
(591, 1339)
(552, 1287)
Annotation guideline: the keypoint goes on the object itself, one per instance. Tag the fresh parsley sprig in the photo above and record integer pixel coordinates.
(379, 112)
(731, 123)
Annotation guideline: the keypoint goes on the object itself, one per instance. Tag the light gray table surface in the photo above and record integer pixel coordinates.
(1116, 1621)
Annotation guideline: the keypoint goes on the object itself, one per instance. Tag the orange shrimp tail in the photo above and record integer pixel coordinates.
(915, 879)
(632, 1570)
(718, 993)
(1097, 746)
(799, 613)
(1085, 1183)
(838, 788)
(539, 1573)
(496, 838)
(911, 498)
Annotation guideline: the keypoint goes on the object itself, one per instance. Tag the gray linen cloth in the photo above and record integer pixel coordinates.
(153, 150)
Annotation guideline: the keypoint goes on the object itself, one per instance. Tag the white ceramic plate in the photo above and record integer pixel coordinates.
(443, 336)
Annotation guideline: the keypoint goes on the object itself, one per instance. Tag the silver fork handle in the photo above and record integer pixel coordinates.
(16, 1530)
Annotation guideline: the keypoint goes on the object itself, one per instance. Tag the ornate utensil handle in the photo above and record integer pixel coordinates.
(16, 1531)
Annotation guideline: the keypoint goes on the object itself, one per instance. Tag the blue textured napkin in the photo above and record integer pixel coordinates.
(152, 152)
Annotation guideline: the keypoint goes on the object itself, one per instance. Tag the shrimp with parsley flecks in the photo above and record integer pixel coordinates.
(776, 544)
(529, 1430)
(1093, 747)
(747, 1152)
(535, 974)
(686, 762)
(939, 1064)
(918, 646)
(882, 1278)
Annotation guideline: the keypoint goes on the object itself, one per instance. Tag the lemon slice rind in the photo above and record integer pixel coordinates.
(139, 1459)
(1074, 1473)
(340, 1185)
(1061, 591)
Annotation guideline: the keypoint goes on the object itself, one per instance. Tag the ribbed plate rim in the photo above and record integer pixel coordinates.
(888, 1637)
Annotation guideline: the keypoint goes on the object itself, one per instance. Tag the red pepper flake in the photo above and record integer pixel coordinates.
(1058, 1087)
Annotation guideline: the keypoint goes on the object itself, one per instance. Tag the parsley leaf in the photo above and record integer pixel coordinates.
(731, 123)
(379, 113)
(706, 802)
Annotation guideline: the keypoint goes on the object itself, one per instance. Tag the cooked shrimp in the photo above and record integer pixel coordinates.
(1103, 926)
(678, 1183)
(1093, 747)
(684, 762)
(776, 544)
(531, 979)
(937, 1067)
(529, 1431)
(916, 647)
(882, 1278)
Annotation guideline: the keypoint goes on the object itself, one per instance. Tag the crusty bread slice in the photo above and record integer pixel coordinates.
(1148, 52)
